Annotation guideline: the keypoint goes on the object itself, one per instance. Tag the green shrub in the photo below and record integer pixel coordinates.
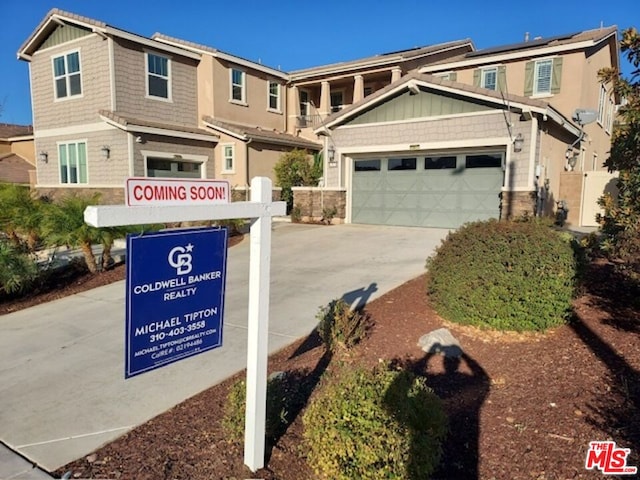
(327, 214)
(504, 275)
(18, 271)
(296, 214)
(374, 424)
(339, 326)
(281, 398)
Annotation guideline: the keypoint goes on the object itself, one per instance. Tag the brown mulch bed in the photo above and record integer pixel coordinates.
(520, 406)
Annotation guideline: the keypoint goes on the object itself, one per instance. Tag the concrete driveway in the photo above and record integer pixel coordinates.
(62, 387)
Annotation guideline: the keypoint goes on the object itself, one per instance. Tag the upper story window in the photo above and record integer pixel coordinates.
(602, 104)
(489, 78)
(304, 103)
(228, 165)
(158, 76)
(611, 108)
(238, 86)
(337, 101)
(67, 77)
(543, 73)
(274, 96)
(543, 77)
(73, 162)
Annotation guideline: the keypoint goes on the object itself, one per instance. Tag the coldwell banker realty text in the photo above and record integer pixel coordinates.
(175, 296)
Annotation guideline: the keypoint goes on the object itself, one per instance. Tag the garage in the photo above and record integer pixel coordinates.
(443, 190)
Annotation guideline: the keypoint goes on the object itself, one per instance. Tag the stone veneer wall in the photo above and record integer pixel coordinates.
(108, 196)
(244, 194)
(313, 201)
(517, 204)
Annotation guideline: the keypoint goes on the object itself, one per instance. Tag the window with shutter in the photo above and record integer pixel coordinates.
(542, 83)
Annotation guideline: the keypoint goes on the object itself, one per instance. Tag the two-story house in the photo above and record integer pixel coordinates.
(497, 133)
(109, 104)
(17, 158)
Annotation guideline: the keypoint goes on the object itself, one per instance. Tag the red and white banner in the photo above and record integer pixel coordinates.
(176, 191)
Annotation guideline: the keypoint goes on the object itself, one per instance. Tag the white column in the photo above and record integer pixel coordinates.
(396, 74)
(358, 88)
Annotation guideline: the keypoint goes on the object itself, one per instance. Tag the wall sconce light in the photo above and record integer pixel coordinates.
(43, 156)
(105, 151)
(331, 153)
(518, 143)
(572, 160)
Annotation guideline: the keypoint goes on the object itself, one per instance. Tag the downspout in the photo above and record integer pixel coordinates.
(246, 168)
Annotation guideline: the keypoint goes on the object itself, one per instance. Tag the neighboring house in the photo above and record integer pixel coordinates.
(491, 133)
(17, 155)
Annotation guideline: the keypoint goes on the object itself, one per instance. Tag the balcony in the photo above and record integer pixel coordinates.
(308, 121)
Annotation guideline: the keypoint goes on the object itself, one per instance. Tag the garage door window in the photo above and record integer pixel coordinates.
(160, 167)
(367, 165)
(438, 163)
(402, 164)
(483, 161)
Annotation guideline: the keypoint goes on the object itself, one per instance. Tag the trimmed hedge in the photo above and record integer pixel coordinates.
(504, 275)
(375, 424)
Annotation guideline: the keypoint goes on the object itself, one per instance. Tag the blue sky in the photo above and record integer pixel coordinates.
(292, 34)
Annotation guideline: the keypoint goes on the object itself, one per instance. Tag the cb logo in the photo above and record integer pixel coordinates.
(180, 258)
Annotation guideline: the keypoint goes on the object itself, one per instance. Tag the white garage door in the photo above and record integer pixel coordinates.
(427, 191)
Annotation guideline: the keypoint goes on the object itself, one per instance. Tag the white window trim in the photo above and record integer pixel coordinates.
(307, 103)
(243, 101)
(53, 77)
(278, 108)
(608, 125)
(169, 98)
(602, 104)
(224, 168)
(536, 65)
(444, 75)
(201, 159)
(483, 73)
(86, 147)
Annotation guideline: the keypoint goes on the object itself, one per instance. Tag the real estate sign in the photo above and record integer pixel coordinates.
(175, 296)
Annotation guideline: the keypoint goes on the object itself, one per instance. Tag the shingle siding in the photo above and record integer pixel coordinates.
(94, 63)
(131, 78)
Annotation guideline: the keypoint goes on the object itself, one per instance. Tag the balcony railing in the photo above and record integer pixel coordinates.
(308, 121)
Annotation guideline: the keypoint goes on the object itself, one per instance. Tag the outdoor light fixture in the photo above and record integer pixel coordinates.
(105, 151)
(518, 143)
(43, 156)
(572, 160)
(331, 152)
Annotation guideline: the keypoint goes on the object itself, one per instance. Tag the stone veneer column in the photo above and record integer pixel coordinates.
(358, 88)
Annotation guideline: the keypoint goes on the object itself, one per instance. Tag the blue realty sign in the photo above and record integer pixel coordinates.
(175, 296)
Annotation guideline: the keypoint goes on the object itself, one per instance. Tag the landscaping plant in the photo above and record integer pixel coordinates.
(504, 275)
(372, 424)
(18, 270)
(295, 169)
(339, 326)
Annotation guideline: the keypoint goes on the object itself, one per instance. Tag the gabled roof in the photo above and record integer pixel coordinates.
(535, 47)
(57, 17)
(136, 125)
(246, 133)
(384, 59)
(8, 130)
(14, 169)
(416, 80)
(214, 52)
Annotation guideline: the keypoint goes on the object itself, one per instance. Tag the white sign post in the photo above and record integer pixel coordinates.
(260, 210)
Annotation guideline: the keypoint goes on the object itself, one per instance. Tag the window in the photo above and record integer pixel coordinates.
(543, 72)
(228, 164)
(401, 164)
(170, 168)
(484, 161)
(602, 103)
(158, 73)
(608, 126)
(489, 78)
(367, 165)
(73, 162)
(337, 101)
(304, 103)
(274, 96)
(66, 75)
(238, 91)
(438, 163)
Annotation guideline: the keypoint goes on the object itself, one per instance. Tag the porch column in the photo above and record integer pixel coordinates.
(325, 99)
(396, 74)
(358, 88)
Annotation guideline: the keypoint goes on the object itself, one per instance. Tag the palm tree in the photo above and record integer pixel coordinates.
(20, 215)
(64, 225)
(17, 270)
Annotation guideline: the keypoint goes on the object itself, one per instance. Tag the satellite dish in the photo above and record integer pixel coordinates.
(584, 116)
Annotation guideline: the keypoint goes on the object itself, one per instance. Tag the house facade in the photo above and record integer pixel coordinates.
(17, 157)
(432, 136)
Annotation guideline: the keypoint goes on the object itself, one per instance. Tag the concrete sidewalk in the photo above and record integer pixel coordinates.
(62, 387)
